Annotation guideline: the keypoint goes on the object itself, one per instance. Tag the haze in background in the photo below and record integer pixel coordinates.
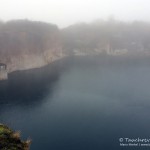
(67, 12)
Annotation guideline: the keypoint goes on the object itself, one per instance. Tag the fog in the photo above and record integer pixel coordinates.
(67, 12)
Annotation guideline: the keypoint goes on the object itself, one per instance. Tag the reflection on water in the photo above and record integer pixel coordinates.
(27, 87)
(79, 104)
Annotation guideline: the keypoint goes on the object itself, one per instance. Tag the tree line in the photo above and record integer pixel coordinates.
(32, 37)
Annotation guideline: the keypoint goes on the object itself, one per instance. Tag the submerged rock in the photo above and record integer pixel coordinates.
(10, 140)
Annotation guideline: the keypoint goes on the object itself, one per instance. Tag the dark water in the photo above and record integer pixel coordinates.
(79, 104)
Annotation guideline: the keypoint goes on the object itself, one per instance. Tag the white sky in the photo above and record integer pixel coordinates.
(67, 12)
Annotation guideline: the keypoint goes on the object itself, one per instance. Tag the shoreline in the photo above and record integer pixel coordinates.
(108, 59)
(4, 75)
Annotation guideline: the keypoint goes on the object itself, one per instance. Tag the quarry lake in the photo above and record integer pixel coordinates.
(80, 103)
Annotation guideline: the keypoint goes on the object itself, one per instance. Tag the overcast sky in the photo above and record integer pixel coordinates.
(67, 12)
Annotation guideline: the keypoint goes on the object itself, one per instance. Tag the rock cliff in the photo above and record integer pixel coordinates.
(28, 44)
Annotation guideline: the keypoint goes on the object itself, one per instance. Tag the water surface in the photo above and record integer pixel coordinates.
(79, 104)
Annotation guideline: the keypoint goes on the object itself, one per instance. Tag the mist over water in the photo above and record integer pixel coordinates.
(95, 91)
(79, 103)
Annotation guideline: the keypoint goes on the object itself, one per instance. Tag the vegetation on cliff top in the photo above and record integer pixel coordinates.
(10, 140)
(112, 34)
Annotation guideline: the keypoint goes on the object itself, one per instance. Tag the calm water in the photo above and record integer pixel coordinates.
(79, 104)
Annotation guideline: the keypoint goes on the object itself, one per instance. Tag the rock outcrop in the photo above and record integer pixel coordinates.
(10, 140)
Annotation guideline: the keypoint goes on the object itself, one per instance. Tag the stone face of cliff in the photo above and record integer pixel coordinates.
(29, 61)
(27, 44)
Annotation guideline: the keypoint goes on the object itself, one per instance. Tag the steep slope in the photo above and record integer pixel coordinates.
(28, 44)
